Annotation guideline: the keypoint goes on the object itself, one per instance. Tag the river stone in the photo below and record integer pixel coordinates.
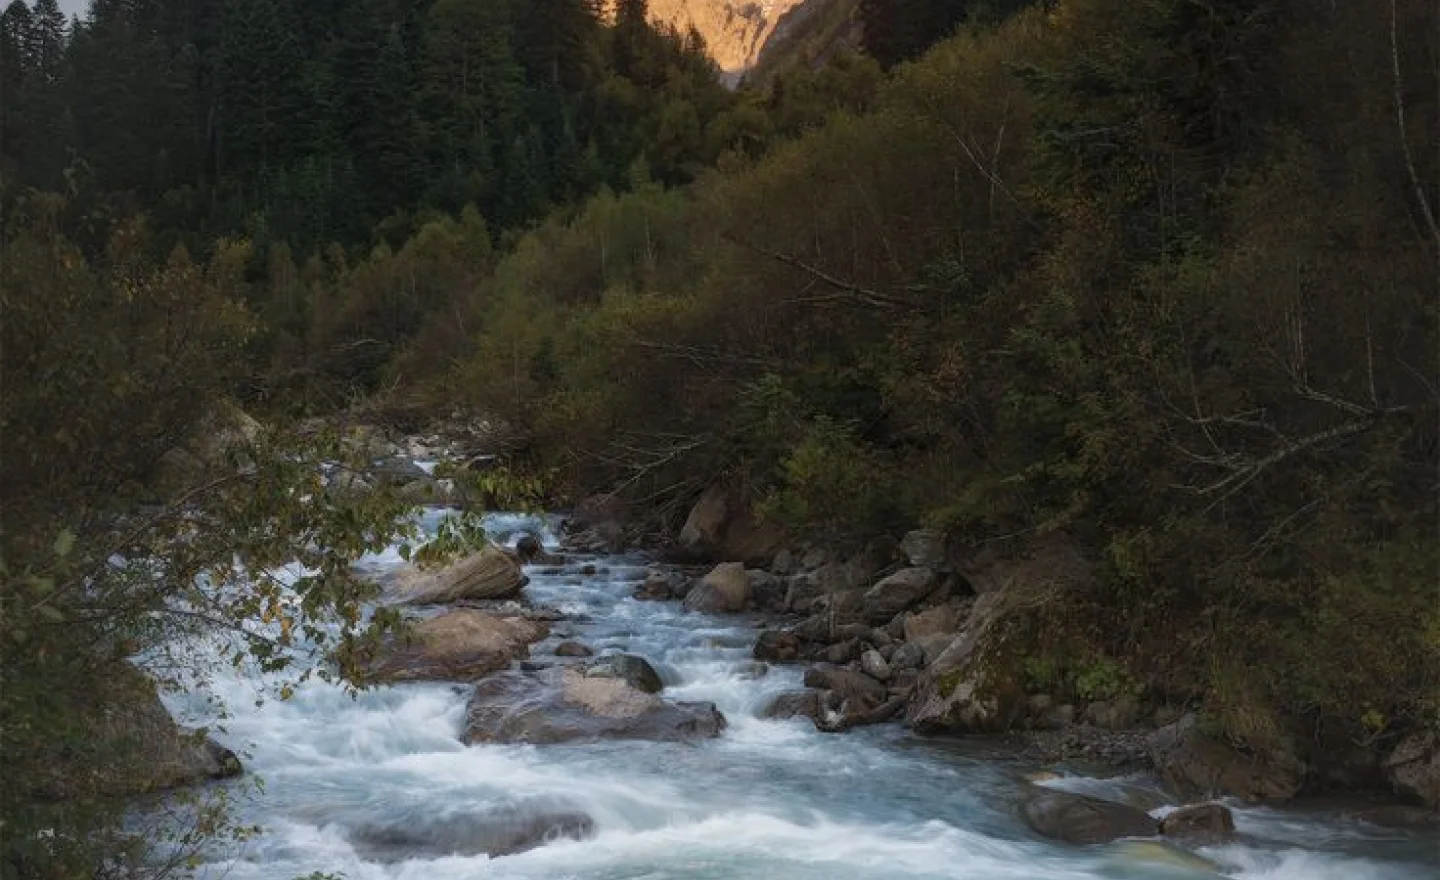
(897, 593)
(793, 704)
(1196, 764)
(492, 573)
(572, 649)
(846, 682)
(874, 665)
(565, 705)
(459, 645)
(778, 646)
(1413, 768)
(1207, 823)
(495, 833)
(634, 670)
(1132, 855)
(1075, 818)
(726, 589)
(661, 585)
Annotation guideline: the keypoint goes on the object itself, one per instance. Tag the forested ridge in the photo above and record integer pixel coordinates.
(1159, 279)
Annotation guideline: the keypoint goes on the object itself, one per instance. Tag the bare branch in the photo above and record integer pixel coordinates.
(1420, 197)
(856, 292)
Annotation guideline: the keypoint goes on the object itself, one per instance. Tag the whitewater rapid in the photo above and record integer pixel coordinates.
(768, 799)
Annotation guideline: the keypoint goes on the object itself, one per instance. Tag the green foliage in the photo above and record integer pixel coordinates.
(831, 486)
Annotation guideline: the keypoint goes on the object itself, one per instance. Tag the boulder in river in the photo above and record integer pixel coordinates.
(460, 645)
(846, 682)
(565, 705)
(1078, 819)
(1149, 856)
(778, 646)
(661, 585)
(491, 573)
(1196, 764)
(632, 669)
(499, 832)
(572, 649)
(1206, 823)
(725, 589)
(793, 704)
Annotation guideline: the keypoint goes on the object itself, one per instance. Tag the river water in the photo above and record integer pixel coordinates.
(768, 799)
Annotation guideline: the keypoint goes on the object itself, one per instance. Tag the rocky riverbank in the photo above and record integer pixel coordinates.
(920, 633)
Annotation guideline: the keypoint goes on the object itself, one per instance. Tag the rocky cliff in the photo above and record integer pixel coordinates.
(735, 30)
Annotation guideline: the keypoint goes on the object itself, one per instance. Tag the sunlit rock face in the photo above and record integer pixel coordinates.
(735, 31)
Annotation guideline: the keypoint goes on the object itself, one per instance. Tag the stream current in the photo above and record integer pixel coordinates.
(767, 799)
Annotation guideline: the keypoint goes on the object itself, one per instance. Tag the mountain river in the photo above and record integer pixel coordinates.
(767, 799)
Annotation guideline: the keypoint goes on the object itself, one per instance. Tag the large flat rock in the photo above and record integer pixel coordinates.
(566, 705)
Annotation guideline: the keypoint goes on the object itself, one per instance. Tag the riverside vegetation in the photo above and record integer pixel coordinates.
(1156, 283)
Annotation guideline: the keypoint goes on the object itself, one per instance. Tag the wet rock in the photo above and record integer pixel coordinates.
(793, 704)
(490, 574)
(661, 585)
(1147, 855)
(725, 589)
(1196, 764)
(1413, 768)
(1398, 816)
(847, 683)
(494, 833)
(459, 645)
(632, 669)
(1207, 823)
(898, 592)
(1077, 819)
(874, 665)
(529, 547)
(752, 671)
(565, 705)
(572, 649)
(778, 646)
(859, 712)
